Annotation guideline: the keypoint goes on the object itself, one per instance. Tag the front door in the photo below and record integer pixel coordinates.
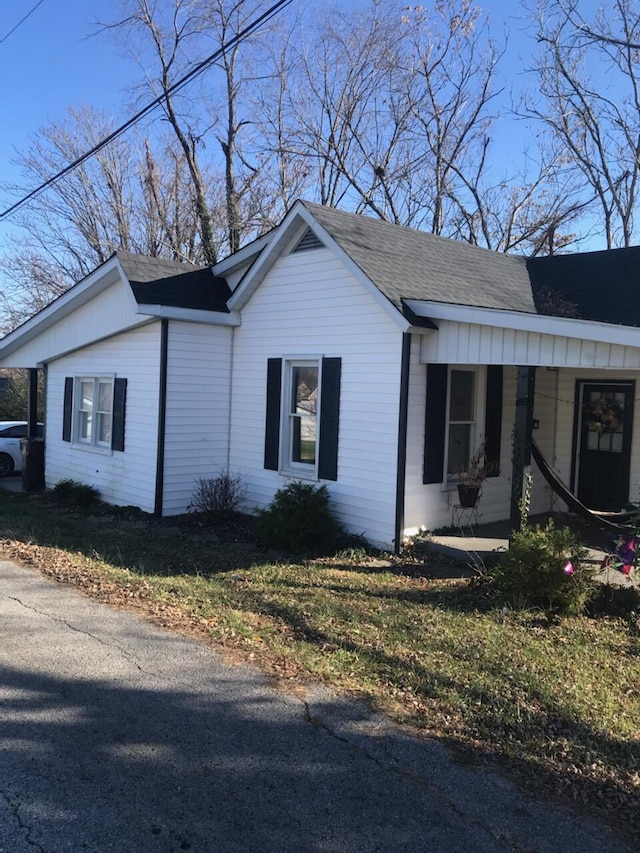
(604, 433)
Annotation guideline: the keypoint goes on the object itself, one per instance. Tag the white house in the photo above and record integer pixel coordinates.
(342, 350)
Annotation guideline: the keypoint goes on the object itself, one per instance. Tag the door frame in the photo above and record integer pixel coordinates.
(577, 420)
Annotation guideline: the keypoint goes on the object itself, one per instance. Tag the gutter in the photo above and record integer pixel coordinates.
(162, 418)
(401, 468)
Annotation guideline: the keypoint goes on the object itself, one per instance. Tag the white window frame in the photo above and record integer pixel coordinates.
(477, 428)
(93, 443)
(299, 470)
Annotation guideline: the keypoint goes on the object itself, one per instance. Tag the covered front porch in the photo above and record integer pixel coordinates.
(568, 384)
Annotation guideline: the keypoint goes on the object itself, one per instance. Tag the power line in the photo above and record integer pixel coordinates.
(21, 21)
(175, 87)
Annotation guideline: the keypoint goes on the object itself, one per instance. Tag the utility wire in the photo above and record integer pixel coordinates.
(175, 87)
(21, 21)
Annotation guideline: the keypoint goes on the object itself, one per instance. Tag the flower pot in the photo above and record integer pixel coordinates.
(468, 495)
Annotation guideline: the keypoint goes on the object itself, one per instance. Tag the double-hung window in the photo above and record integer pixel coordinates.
(464, 409)
(302, 422)
(461, 425)
(301, 426)
(94, 411)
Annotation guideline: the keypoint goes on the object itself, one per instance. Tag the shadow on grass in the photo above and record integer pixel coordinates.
(529, 734)
(495, 720)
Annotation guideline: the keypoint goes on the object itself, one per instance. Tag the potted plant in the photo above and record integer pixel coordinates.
(472, 476)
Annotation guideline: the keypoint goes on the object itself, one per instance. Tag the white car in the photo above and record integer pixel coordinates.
(10, 455)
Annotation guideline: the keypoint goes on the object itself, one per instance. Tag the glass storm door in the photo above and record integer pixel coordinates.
(606, 426)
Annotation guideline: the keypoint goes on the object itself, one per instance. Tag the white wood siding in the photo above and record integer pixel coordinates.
(108, 313)
(466, 343)
(197, 422)
(121, 478)
(430, 506)
(310, 305)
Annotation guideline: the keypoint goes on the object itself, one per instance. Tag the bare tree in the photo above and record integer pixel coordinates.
(171, 37)
(132, 195)
(343, 116)
(168, 34)
(588, 79)
(393, 109)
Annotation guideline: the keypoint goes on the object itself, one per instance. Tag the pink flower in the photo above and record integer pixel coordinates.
(568, 569)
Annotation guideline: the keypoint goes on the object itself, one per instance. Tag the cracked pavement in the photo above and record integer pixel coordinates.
(118, 736)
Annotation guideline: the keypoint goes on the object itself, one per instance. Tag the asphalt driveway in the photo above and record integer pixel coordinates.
(117, 736)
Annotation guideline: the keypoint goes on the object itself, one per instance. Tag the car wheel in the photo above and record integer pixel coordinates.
(6, 464)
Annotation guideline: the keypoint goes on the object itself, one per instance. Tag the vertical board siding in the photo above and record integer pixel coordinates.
(466, 343)
(121, 478)
(106, 314)
(311, 305)
(197, 419)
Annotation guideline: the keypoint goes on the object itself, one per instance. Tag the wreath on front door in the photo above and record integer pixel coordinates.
(603, 415)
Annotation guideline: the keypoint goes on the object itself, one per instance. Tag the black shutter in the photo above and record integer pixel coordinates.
(67, 412)
(435, 423)
(119, 410)
(493, 418)
(272, 424)
(329, 419)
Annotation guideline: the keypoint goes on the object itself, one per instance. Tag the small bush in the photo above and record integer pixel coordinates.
(545, 568)
(218, 496)
(76, 494)
(299, 518)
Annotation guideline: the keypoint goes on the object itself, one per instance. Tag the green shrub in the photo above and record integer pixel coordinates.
(299, 518)
(534, 572)
(218, 496)
(76, 494)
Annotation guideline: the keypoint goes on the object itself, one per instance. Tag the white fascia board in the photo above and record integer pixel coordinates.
(190, 315)
(78, 294)
(254, 276)
(566, 327)
(281, 241)
(241, 257)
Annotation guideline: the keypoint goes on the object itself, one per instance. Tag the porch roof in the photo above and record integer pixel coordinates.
(468, 335)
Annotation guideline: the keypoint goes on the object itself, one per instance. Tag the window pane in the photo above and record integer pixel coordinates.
(462, 395)
(104, 428)
(104, 396)
(86, 395)
(459, 448)
(303, 440)
(85, 426)
(304, 390)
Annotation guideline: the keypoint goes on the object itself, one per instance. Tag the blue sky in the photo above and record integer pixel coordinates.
(49, 63)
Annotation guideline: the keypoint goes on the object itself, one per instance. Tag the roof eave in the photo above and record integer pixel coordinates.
(242, 256)
(191, 315)
(523, 321)
(107, 274)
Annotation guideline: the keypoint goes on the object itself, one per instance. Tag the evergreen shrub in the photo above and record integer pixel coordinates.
(299, 518)
(545, 568)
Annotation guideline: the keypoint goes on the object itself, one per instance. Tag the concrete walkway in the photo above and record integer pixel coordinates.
(476, 551)
(117, 736)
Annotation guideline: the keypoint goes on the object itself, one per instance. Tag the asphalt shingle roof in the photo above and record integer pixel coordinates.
(155, 281)
(408, 264)
(144, 268)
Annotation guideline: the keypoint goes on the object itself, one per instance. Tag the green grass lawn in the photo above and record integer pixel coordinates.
(557, 703)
